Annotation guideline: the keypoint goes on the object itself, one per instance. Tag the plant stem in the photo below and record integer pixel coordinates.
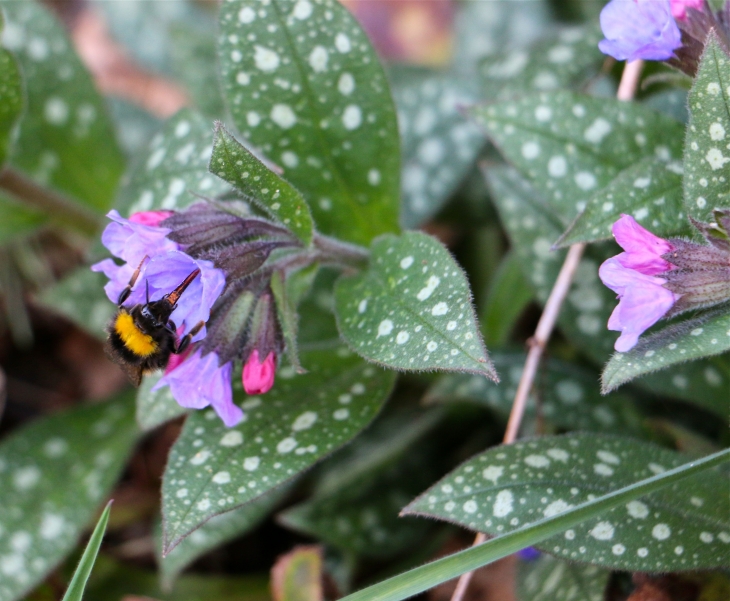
(342, 252)
(49, 201)
(626, 91)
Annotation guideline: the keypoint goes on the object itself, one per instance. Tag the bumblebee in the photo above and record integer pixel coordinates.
(142, 338)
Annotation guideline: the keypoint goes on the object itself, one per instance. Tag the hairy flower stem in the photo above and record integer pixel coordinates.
(58, 206)
(626, 91)
(339, 251)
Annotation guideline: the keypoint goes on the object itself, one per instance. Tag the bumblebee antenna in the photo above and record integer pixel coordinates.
(147, 290)
(175, 295)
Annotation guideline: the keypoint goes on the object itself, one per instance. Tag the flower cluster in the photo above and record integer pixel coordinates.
(232, 296)
(656, 278)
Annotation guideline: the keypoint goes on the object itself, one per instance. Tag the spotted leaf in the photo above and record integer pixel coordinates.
(691, 339)
(569, 396)
(303, 83)
(213, 469)
(11, 96)
(412, 309)
(232, 162)
(531, 228)
(214, 533)
(550, 579)
(682, 527)
(155, 408)
(65, 137)
(439, 144)
(706, 151)
(55, 473)
(570, 146)
(650, 191)
(174, 168)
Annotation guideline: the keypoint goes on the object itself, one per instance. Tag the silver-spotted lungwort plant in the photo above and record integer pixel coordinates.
(260, 280)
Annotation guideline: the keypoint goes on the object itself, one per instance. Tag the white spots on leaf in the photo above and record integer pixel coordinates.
(155, 158)
(266, 59)
(503, 504)
(26, 478)
(289, 159)
(21, 541)
(236, 56)
(713, 88)
(283, 116)
(537, 461)
(431, 151)
(642, 182)
(451, 326)
(569, 392)
(346, 84)
(342, 43)
(373, 177)
(362, 306)
(402, 337)
(246, 15)
(557, 166)
(406, 262)
(661, 531)
(602, 531)
(656, 468)
(716, 159)
(618, 549)
(431, 346)
(678, 550)
(55, 447)
(470, 507)
(543, 113)
(555, 508)
(717, 131)
(428, 289)
(602, 469)
(251, 464)
(287, 445)
(52, 525)
(222, 478)
(200, 457)
(56, 111)
(440, 309)
(305, 421)
(231, 439)
(724, 537)
(585, 180)
(318, 59)
(182, 129)
(706, 537)
(642, 552)
(352, 117)
(598, 130)
(302, 10)
(608, 457)
(558, 455)
(243, 78)
(253, 118)
(341, 414)
(182, 493)
(37, 49)
(697, 501)
(637, 509)
(385, 327)
(641, 213)
(203, 505)
(530, 150)
(493, 473)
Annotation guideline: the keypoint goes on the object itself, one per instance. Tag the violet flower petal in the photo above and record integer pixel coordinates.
(643, 249)
(133, 241)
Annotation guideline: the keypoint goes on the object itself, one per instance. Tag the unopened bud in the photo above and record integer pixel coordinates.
(258, 376)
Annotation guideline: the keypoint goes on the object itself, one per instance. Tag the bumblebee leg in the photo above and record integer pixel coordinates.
(133, 280)
(185, 342)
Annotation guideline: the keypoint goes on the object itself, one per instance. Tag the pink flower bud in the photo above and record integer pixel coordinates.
(151, 218)
(679, 7)
(258, 377)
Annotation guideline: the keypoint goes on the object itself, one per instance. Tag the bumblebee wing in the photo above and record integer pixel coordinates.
(134, 372)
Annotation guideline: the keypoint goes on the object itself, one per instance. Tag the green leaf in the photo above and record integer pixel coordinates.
(75, 590)
(563, 60)
(680, 528)
(508, 297)
(214, 533)
(11, 96)
(56, 471)
(17, 220)
(439, 144)
(155, 408)
(691, 339)
(422, 578)
(650, 191)
(705, 162)
(174, 168)
(66, 138)
(213, 469)
(80, 297)
(303, 83)
(412, 309)
(549, 579)
(531, 229)
(232, 162)
(570, 145)
(356, 503)
(569, 397)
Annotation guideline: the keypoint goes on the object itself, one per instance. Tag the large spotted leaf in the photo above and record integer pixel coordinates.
(412, 309)
(55, 473)
(550, 579)
(532, 228)
(11, 96)
(157, 407)
(707, 148)
(213, 469)
(232, 162)
(650, 191)
(439, 144)
(565, 395)
(174, 168)
(692, 339)
(65, 138)
(682, 527)
(570, 146)
(303, 83)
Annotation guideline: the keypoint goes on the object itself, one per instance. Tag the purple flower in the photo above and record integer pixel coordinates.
(679, 7)
(643, 297)
(199, 382)
(639, 29)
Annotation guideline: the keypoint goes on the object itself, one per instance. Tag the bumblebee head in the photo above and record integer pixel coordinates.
(132, 336)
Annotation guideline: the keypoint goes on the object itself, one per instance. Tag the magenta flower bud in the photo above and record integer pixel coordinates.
(639, 29)
(152, 218)
(258, 377)
(679, 7)
(643, 249)
(200, 382)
